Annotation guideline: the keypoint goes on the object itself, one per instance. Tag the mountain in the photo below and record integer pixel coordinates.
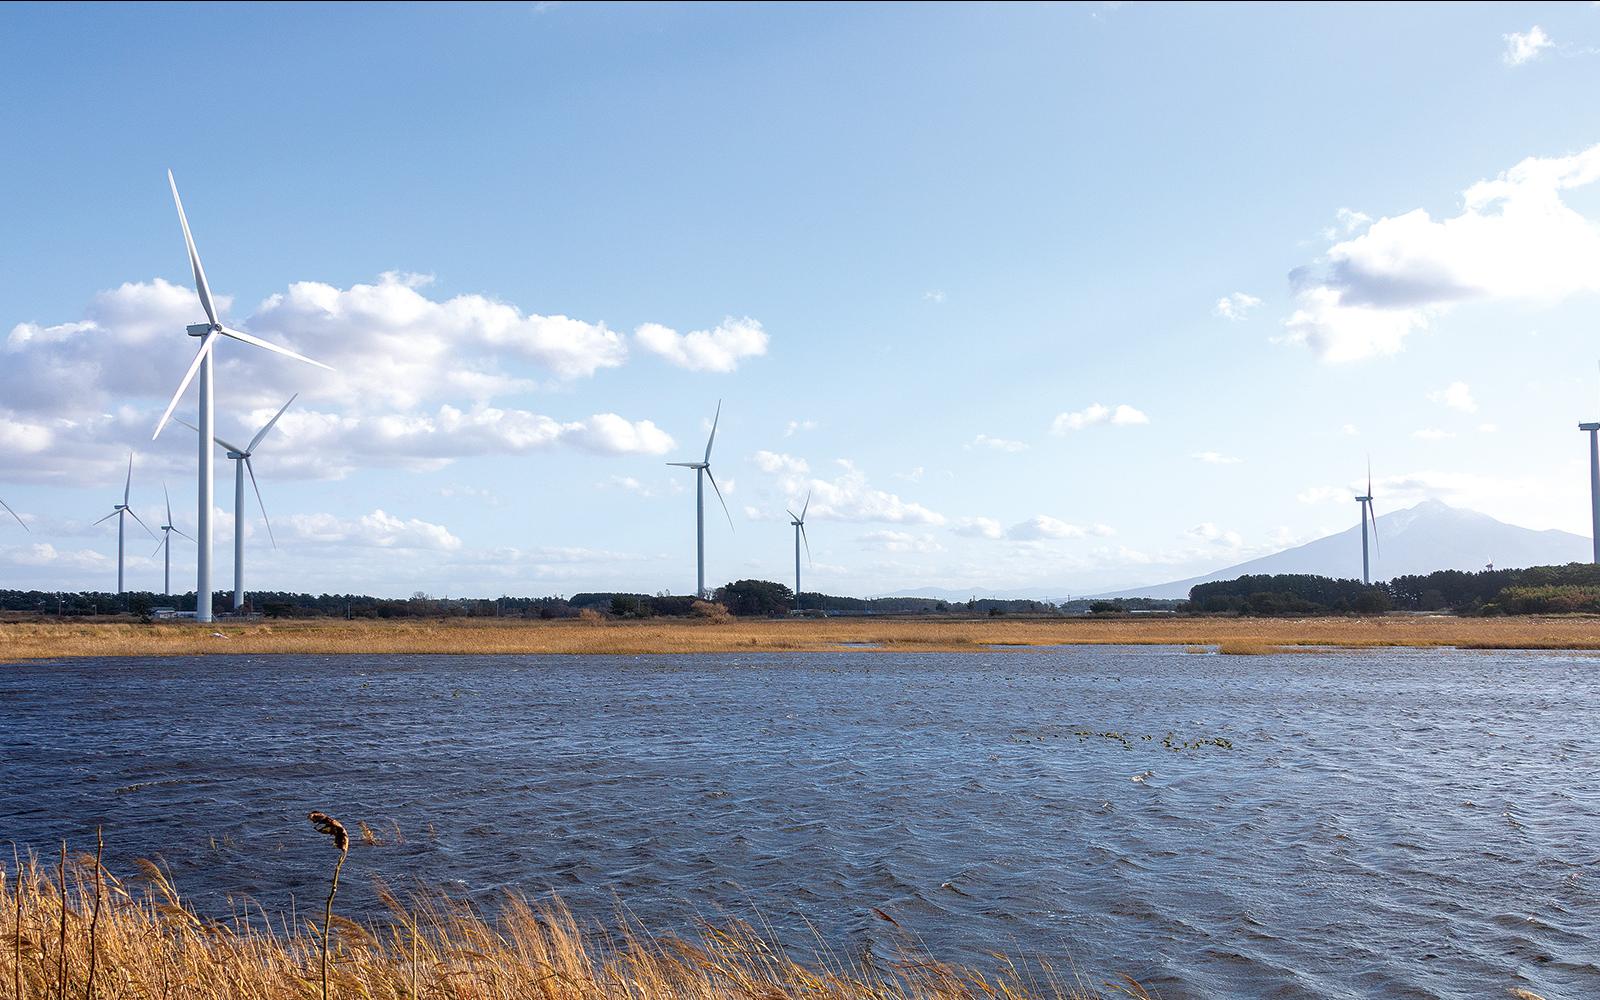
(1430, 536)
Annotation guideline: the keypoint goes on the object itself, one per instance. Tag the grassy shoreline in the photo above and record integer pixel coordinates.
(45, 639)
(74, 930)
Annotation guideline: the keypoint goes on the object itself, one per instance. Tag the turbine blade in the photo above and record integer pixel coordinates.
(719, 498)
(713, 436)
(686, 465)
(14, 516)
(179, 533)
(263, 431)
(169, 504)
(803, 538)
(200, 285)
(805, 508)
(108, 517)
(267, 345)
(1369, 475)
(136, 517)
(259, 502)
(188, 376)
(214, 438)
(159, 546)
(791, 514)
(1374, 515)
(128, 483)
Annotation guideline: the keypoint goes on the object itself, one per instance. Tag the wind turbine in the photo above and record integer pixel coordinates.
(799, 533)
(1594, 483)
(1366, 515)
(14, 516)
(167, 531)
(208, 332)
(241, 465)
(702, 472)
(117, 512)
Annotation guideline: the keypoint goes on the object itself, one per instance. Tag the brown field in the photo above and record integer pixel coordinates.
(21, 640)
(73, 930)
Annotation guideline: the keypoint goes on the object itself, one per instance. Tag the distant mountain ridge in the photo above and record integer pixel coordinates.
(1429, 536)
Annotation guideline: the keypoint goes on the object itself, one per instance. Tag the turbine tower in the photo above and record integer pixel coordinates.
(208, 332)
(702, 472)
(241, 465)
(799, 533)
(167, 531)
(1367, 514)
(118, 511)
(14, 516)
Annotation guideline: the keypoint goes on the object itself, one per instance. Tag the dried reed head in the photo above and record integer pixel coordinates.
(332, 827)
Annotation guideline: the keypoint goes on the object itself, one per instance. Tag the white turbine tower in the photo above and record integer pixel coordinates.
(208, 332)
(242, 465)
(14, 516)
(1594, 484)
(1367, 514)
(702, 471)
(799, 523)
(119, 511)
(167, 531)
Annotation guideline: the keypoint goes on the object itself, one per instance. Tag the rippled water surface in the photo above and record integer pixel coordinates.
(1384, 824)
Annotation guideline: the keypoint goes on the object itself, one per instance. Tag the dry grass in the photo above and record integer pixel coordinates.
(36, 640)
(147, 943)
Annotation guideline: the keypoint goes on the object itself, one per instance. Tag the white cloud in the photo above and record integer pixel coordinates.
(1122, 415)
(718, 350)
(773, 463)
(978, 527)
(1457, 396)
(899, 541)
(1488, 428)
(1346, 221)
(1043, 527)
(1235, 306)
(1525, 46)
(997, 444)
(378, 529)
(1432, 434)
(1514, 238)
(935, 296)
(1215, 458)
(631, 484)
(794, 427)
(1220, 537)
(847, 497)
(1350, 430)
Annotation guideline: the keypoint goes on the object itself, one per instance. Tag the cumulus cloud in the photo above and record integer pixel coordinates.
(1457, 396)
(378, 529)
(998, 444)
(1525, 46)
(1122, 415)
(1043, 527)
(718, 350)
(1215, 458)
(773, 462)
(1221, 537)
(978, 527)
(1235, 306)
(794, 427)
(1514, 238)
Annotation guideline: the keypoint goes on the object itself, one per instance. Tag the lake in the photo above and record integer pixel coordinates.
(1394, 823)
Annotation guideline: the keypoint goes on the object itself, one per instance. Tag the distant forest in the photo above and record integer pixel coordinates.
(1573, 588)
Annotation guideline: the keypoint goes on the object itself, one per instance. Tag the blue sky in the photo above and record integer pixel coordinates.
(957, 271)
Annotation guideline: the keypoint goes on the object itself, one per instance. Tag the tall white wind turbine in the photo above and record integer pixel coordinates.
(242, 465)
(1594, 484)
(208, 332)
(1367, 514)
(167, 531)
(702, 472)
(799, 522)
(120, 512)
(14, 516)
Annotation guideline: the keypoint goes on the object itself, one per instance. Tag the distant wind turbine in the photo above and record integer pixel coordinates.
(242, 465)
(167, 531)
(208, 332)
(1367, 514)
(702, 471)
(14, 516)
(1594, 484)
(799, 523)
(117, 512)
